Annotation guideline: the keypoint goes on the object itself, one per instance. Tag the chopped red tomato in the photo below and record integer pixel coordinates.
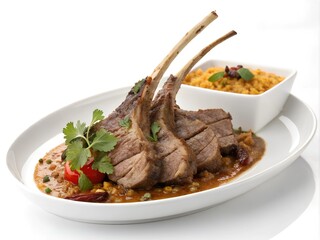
(73, 176)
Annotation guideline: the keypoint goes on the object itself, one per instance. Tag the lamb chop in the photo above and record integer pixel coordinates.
(180, 153)
(134, 159)
(218, 121)
(201, 139)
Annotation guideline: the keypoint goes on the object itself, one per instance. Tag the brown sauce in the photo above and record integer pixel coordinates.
(52, 166)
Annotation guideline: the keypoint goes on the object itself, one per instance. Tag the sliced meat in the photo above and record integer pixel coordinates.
(220, 123)
(177, 154)
(201, 139)
(178, 165)
(134, 159)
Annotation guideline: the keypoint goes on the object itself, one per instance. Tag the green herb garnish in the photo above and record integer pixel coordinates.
(40, 160)
(146, 197)
(138, 85)
(102, 163)
(215, 77)
(48, 190)
(84, 182)
(49, 161)
(77, 155)
(82, 144)
(46, 179)
(125, 122)
(232, 72)
(155, 128)
(245, 74)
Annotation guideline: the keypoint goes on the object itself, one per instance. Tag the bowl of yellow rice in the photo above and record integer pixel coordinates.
(253, 95)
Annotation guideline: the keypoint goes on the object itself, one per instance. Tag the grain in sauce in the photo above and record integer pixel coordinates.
(117, 194)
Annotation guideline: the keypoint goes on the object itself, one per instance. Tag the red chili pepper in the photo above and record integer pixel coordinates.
(73, 176)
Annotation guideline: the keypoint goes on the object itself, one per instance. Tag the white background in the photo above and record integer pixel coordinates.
(53, 53)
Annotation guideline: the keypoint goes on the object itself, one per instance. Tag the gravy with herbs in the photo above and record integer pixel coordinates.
(49, 177)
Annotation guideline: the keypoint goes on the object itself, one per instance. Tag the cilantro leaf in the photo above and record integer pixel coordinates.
(77, 155)
(84, 182)
(138, 85)
(216, 76)
(103, 164)
(104, 141)
(245, 74)
(72, 132)
(97, 116)
(155, 128)
(125, 122)
(83, 143)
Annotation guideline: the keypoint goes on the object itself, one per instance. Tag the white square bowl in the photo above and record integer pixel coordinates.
(247, 111)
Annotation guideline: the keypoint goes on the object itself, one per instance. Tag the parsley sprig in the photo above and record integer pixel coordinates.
(136, 88)
(155, 128)
(125, 122)
(232, 72)
(83, 144)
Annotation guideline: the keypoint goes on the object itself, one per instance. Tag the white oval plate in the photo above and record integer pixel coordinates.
(286, 137)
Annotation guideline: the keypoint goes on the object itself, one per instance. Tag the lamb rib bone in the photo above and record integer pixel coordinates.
(191, 126)
(152, 82)
(186, 69)
(135, 162)
(180, 160)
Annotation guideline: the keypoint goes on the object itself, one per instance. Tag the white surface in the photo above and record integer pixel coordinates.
(286, 137)
(48, 48)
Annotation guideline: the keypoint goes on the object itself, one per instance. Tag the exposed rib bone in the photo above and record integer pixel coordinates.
(179, 163)
(186, 69)
(163, 66)
(153, 81)
(202, 129)
(134, 159)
